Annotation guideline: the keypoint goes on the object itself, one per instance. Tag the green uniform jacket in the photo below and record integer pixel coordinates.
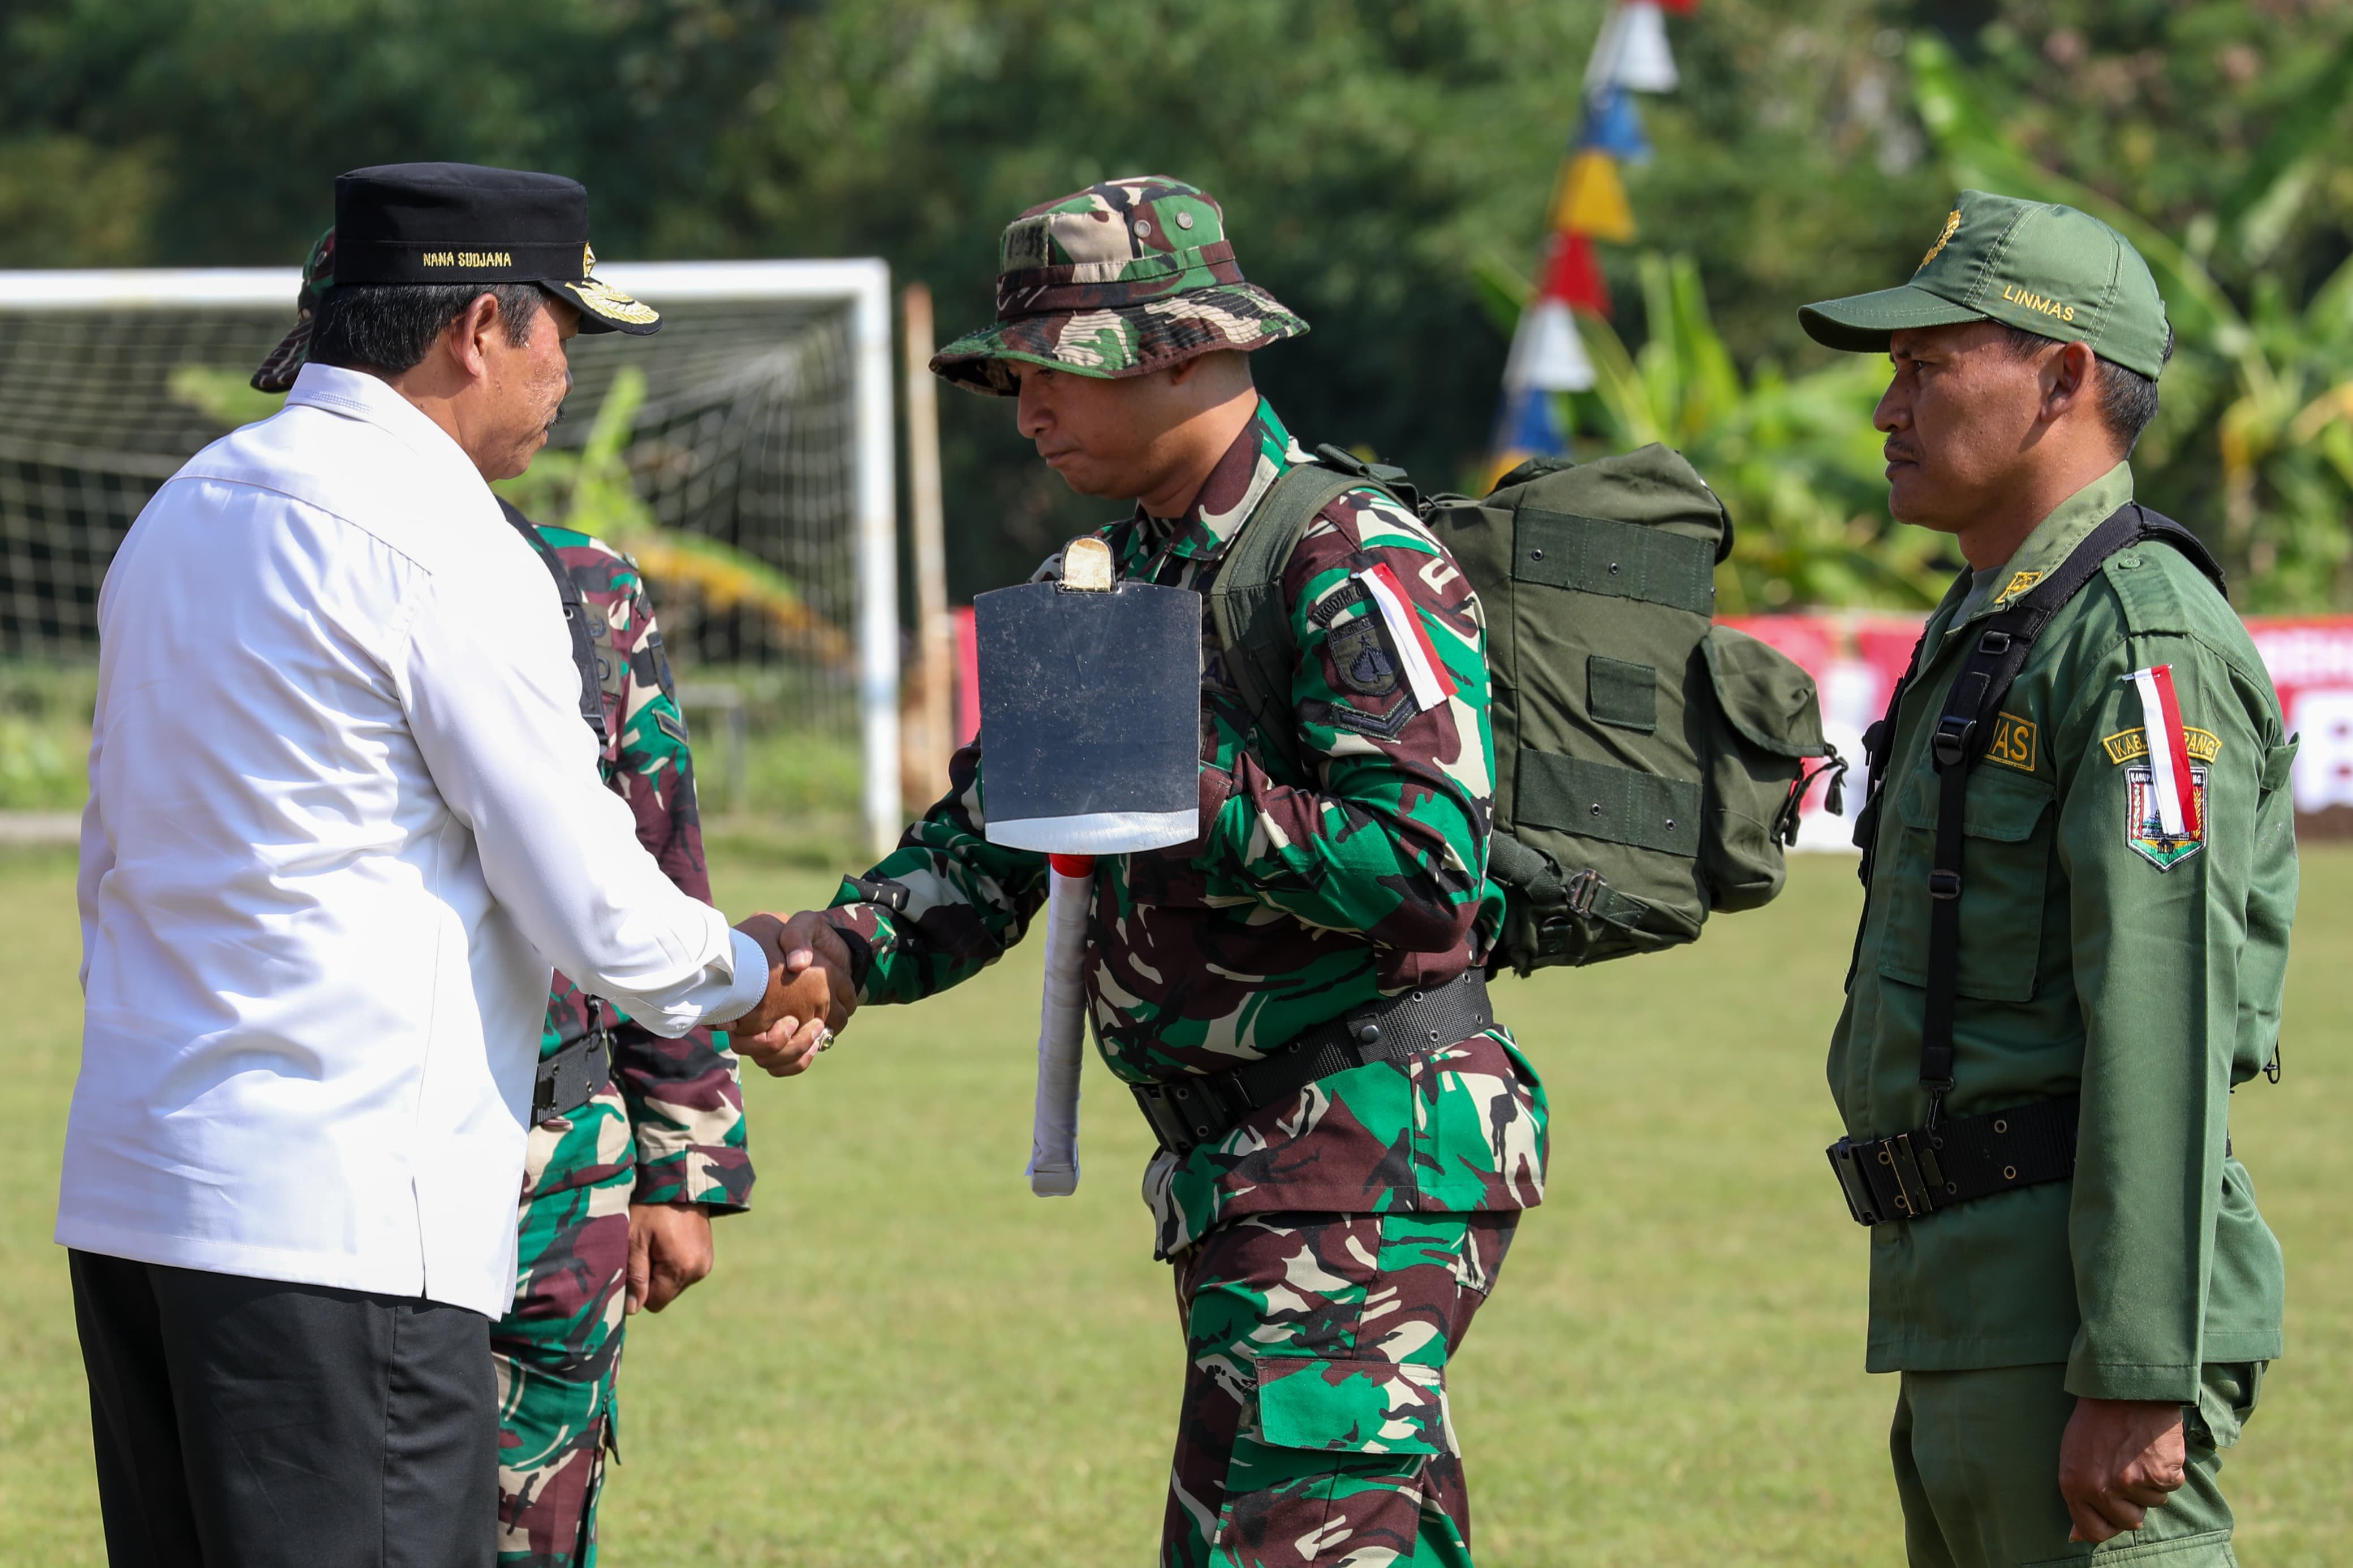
(1311, 893)
(2095, 959)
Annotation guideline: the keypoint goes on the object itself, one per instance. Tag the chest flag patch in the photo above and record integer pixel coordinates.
(2164, 794)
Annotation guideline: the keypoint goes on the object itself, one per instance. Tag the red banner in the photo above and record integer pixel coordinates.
(1856, 658)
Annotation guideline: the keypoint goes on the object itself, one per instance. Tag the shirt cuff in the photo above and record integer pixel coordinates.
(751, 981)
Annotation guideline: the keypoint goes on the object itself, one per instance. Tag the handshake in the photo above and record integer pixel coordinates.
(810, 997)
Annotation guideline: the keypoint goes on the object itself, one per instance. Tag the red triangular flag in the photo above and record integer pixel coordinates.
(1573, 274)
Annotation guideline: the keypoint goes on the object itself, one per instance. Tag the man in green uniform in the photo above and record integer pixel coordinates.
(2078, 892)
(1307, 970)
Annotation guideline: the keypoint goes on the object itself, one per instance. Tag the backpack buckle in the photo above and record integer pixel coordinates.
(1994, 642)
(1951, 742)
(1944, 884)
(1584, 888)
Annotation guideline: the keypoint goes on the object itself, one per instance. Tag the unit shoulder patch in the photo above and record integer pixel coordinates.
(2130, 745)
(2144, 826)
(1361, 657)
(2013, 743)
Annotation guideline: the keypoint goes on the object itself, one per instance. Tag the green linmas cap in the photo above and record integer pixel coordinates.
(2035, 265)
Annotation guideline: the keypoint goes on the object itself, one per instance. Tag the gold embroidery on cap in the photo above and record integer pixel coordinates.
(587, 259)
(2127, 745)
(609, 302)
(1952, 226)
(2034, 301)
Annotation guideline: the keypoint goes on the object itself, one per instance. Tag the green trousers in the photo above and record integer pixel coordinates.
(1314, 1431)
(1977, 1465)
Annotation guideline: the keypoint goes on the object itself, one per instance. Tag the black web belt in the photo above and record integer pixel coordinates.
(577, 1074)
(1918, 1173)
(1202, 1108)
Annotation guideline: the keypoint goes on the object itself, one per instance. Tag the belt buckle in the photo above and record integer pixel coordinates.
(574, 1076)
(1897, 1157)
(1171, 1107)
(1847, 1168)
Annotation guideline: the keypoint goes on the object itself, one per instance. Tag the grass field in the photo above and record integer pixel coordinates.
(906, 1358)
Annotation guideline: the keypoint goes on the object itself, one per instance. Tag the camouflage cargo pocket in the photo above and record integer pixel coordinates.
(1351, 1406)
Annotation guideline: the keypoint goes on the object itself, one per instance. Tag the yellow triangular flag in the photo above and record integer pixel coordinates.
(1593, 200)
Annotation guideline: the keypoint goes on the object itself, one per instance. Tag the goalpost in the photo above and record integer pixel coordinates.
(766, 425)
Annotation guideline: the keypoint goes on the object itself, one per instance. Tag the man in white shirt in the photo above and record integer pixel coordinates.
(344, 815)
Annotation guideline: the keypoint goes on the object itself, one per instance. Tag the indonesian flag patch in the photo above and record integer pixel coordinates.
(1425, 673)
(2165, 792)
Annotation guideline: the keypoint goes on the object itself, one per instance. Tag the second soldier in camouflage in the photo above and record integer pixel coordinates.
(1332, 1246)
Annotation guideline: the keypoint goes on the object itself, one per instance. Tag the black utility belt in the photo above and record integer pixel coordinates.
(1190, 1112)
(574, 1074)
(1916, 1173)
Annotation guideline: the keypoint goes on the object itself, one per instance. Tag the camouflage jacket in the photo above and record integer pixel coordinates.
(685, 1098)
(1306, 897)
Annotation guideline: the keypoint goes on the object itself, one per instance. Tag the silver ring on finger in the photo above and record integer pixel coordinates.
(825, 1039)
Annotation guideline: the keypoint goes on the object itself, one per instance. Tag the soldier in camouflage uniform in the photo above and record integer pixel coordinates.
(1331, 1249)
(604, 1184)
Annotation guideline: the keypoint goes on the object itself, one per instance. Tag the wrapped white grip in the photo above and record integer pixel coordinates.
(1062, 1039)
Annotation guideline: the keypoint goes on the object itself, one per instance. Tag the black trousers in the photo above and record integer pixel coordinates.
(251, 1423)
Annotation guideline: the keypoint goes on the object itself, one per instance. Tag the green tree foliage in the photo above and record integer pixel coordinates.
(1376, 158)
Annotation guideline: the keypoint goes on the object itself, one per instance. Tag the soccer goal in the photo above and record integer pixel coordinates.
(762, 420)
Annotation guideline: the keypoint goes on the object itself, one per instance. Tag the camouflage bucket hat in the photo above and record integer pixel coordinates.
(1118, 279)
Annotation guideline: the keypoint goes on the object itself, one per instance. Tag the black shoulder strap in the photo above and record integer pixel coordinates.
(575, 618)
(1965, 729)
(1246, 596)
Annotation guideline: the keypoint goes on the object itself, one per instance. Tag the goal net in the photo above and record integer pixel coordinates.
(762, 421)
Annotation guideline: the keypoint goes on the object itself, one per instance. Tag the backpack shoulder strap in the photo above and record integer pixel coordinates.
(1245, 598)
(1965, 729)
(575, 620)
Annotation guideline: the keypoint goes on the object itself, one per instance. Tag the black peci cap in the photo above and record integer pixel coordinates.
(460, 223)
(455, 222)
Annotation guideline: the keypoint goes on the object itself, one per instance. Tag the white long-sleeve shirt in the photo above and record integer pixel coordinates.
(344, 814)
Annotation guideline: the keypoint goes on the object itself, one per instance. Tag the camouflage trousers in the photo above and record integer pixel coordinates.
(1314, 1428)
(558, 1349)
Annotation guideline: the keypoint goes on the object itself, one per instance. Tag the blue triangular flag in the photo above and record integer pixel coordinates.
(1613, 125)
(1528, 425)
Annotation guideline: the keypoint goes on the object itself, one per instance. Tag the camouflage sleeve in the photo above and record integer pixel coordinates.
(967, 899)
(684, 1096)
(1391, 839)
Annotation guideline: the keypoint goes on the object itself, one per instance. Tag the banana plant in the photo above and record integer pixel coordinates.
(1795, 459)
(589, 491)
(2257, 411)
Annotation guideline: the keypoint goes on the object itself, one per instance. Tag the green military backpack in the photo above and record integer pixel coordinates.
(1649, 763)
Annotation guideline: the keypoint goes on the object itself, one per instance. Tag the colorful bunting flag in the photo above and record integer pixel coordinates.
(1644, 63)
(1613, 125)
(1593, 200)
(1546, 353)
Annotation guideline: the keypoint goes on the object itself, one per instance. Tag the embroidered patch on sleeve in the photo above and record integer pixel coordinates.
(1361, 657)
(2144, 827)
(2013, 743)
(2132, 745)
